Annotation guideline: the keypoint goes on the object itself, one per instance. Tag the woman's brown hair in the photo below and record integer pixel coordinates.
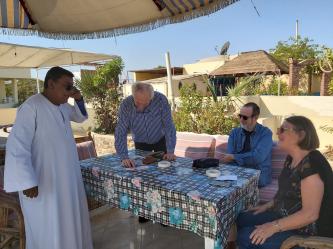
(301, 124)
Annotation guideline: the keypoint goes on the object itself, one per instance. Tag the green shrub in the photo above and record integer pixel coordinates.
(202, 114)
(273, 88)
(100, 89)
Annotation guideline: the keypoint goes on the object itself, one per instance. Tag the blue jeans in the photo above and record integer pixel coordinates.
(246, 223)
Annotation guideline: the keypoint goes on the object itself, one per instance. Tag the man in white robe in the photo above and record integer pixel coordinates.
(42, 164)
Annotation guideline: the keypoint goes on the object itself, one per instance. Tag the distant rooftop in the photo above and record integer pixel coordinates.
(160, 70)
(250, 63)
(175, 77)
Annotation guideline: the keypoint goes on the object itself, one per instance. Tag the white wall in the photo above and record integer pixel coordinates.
(273, 110)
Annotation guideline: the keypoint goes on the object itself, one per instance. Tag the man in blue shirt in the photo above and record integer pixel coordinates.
(250, 145)
(147, 114)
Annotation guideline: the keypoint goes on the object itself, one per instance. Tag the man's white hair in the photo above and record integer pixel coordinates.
(143, 87)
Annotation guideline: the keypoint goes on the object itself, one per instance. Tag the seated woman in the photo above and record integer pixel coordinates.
(303, 203)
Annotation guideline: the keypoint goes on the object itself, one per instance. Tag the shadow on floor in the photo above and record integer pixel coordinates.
(116, 229)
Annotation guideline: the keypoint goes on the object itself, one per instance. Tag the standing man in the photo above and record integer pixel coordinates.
(42, 164)
(147, 115)
(250, 145)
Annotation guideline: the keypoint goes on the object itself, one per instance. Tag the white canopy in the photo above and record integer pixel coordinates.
(78, 19)
(20, 56)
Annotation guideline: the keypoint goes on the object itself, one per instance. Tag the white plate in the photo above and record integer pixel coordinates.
(213, 172)
(164, 164)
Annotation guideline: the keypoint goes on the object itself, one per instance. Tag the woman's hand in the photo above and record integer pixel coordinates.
(263, 232)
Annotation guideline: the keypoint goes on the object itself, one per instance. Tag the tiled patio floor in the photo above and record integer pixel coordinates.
(116, 229)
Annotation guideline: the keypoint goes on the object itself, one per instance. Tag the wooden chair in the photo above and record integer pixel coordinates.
(11, 222)
(314, 242)
(11, 217)
(86, 149)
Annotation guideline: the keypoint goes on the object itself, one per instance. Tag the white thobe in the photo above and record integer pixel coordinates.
(41, 151)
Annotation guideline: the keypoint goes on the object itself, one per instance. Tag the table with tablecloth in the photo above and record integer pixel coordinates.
(177, 196)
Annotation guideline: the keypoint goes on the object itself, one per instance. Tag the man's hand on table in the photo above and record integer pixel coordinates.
(169, 157)
(31, 192)
(227, 158)
(128, 163)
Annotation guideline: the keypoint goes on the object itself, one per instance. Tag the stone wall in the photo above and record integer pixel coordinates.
(325, 81)
(105, 143)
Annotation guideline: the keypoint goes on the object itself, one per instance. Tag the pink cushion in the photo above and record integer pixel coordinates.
(278, 159)
(267, 193)
(221, 145)
(194, 145)
(86, 150)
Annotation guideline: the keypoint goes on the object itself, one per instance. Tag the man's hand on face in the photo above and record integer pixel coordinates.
(128, 163)
(76, 94)
(227, 158)
(31, 192)
(169, 157)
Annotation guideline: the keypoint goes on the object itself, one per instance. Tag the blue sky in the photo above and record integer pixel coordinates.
(196, 39)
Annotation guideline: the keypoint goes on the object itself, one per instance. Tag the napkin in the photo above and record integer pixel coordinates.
(227, 178)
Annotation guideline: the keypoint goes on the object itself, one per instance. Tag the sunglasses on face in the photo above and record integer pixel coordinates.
(69, 88)
(241, 116)
(283, 129)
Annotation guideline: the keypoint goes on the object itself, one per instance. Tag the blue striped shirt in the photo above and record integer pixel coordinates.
(148, 126)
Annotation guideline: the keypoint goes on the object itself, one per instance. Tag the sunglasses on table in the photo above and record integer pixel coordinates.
(241, 116)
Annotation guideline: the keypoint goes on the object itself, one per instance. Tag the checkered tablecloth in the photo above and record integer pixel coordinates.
(178, 196)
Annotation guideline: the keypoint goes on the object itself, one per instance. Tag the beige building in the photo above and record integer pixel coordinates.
(207, 65)
(190, 74)
(161, 84)
(147, 74)
(9, 76)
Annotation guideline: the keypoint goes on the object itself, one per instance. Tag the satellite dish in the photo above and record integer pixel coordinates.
(225, 48)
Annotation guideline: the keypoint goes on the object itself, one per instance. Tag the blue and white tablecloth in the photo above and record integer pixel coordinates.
(178, 196)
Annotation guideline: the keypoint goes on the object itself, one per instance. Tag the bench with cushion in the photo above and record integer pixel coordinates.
(221, 146)
(268, 192)
(194, 145)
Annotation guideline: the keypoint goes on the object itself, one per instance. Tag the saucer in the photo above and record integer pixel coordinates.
(213, 172)
(164, 164)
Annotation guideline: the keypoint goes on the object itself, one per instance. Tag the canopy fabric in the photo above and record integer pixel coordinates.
(13, 15)
(252, 62)
(20, 56)
(79, 19)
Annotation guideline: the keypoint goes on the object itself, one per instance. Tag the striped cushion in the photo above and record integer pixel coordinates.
(86, 150)
(194, 145)
(221, 145)
(278, 158)
(267, 193)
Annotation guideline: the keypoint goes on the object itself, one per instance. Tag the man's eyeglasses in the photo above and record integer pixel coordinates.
(241, 116)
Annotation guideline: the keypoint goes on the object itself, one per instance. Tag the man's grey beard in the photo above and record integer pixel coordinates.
(244, 127)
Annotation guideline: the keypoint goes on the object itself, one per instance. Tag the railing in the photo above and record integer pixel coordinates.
(7, 100)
